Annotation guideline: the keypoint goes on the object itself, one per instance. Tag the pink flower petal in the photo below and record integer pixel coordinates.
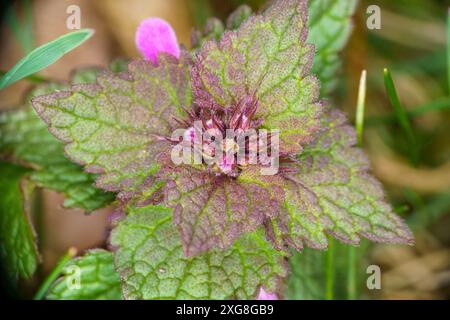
(264, 295)
(155, 35)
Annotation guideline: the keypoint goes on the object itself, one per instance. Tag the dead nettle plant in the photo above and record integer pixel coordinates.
(199, 229)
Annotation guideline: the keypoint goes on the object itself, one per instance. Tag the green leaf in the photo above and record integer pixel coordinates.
(267, 57)
(18, 249)
(25, 137)
(329, 29)
(333, 193)
(119, 65)
(44, 56)
(114, 127)
(98, 279)
(150, 259)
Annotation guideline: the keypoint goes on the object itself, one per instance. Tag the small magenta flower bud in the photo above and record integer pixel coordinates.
(155, 35)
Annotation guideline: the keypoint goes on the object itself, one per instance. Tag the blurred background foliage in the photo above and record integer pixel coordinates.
(415, 170)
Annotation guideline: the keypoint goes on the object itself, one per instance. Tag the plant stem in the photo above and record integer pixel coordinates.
(45, 286)
(329, 295)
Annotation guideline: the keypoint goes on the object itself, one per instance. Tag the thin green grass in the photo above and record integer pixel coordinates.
(44, 56)
(402, 117)
(434, 106)
(360, 108)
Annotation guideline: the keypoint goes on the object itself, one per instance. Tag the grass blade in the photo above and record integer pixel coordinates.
(360, 106)
(434, 106)
(402, 116)
(32, 77)
(44, 56)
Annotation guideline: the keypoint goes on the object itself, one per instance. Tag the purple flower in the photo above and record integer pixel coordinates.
(155, 35)
(264, 295)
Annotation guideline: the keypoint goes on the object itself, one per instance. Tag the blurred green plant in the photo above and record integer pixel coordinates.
(23, 30)
(18, 249)
(402, 117)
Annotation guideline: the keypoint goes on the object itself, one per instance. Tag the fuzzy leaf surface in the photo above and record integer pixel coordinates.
(150, 260)
(113, 127)
(98, 279)
(334, 193)
(25, 138)
(211, 211)
(266, 57)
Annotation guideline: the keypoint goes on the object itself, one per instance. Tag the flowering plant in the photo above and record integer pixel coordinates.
(202, 213)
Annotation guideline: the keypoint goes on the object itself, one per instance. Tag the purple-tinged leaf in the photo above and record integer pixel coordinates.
(238, 16)
(334, 193)
(24, 138)
(113, 127)
(266, 57)
(214, 211)
(150, 260)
